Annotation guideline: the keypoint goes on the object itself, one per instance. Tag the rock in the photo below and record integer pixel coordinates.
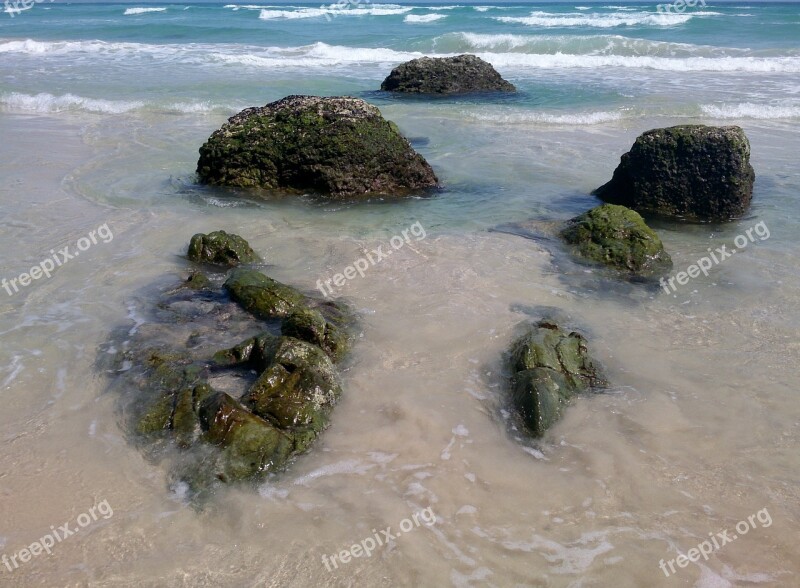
(310, 325)
(297, 386)
(298, 389)
(549, 367)
(251, 445)
(224, 413)
(617, 237)
(221, 248)
(341, 147)
(261, 296)
(691, 172)
(197, 281)
(446, 75)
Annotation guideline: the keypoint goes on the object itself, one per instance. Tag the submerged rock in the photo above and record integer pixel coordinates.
(617, 237)
(221, 248)
(233, 413)
(446, 75)
(549, 367)
(262, 296)
(340, 146)
(692, 172)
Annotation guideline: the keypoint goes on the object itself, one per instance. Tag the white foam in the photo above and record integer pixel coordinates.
(577, 119)
(583, 8)
(618, 45)
(31, 47)
(333, 10)
(483, 8)
(417, 18)
(130, 11)
(750, 110)
(547, 19)
(247, 6)
(48, 103)
(540, 53)
(689, 64)
(350, 466)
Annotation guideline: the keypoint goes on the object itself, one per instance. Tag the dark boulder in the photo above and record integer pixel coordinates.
(462, 74)
(691, 172)
(340, 147)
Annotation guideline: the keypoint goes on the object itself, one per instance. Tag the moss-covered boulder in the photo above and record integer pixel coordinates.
(221, 248)
(462, 74)
(691, 172)
(308, 324)
(262, 296)
(228, 412)
(549, 366)
(618, 237)
(250, 444)
(339, 146)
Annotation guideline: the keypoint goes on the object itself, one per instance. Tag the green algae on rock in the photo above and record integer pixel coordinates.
(221, 248)
(691, 172)
(617, 237)
(462, 74)
(308, 324)
(549, 366)
(232, 413)
(262, 296)
(338, 146)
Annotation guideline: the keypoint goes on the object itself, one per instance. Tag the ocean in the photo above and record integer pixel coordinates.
(102, 110)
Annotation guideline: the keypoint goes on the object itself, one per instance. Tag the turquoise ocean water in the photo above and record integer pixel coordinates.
(581, 67)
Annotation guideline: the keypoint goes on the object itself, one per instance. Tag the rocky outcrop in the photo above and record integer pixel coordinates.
(221, 248)
(692, 172)
(236, 412)
(617, 237)
(446, 75)
(549, 367)
(340, 147)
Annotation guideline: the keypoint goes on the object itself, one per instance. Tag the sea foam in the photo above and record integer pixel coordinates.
(130, 11)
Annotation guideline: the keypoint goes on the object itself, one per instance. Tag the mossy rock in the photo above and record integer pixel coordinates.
(690, 172)
(297, 385)
(308, 324)
(618, 237)
(170, 366)
(221, 248)
(197, 281)
(261, 296)
(339, 146)
(549, 366)
(462, 74)
(251, 445)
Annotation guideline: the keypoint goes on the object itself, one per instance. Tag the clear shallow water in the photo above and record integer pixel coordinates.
(101, 116)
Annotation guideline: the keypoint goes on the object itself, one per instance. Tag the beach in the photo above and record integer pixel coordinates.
(103, 109)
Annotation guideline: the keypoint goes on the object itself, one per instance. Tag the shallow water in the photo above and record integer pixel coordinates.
(699, 432)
